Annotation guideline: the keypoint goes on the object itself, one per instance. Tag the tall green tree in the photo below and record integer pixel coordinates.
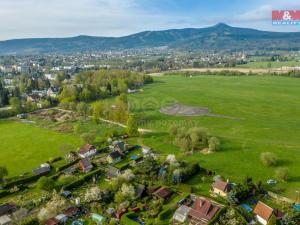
(132, 126)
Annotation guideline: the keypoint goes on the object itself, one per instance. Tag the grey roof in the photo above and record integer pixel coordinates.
(115, 155)
(183, 210)
(5, 219)
(41, 170)
(6, 209)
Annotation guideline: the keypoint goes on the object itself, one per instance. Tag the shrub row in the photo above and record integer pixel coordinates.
(56, 159)
(83, 179)
(127, 219)
(22, 181)
(7, 113)
(58, 169)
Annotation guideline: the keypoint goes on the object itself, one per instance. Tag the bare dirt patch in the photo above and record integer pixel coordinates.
(184, 110)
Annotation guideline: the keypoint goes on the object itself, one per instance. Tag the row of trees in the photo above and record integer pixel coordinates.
(193, 138)
(93, 85)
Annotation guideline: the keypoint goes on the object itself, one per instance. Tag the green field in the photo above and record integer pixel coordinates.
(24, 147)
(269, 120)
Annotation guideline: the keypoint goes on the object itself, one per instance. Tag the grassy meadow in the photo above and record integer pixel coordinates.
(267, 119)
(24, 147)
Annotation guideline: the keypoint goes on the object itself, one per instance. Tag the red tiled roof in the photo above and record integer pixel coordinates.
(163, 192)
(203, 209)
(86, 148)
(263, 211)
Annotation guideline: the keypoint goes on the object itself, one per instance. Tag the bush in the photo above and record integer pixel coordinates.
(282, 174)
(30, 221)
(83, 179)
(268, 159)
(45, 183)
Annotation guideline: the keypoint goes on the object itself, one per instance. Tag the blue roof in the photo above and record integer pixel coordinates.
(297, 207)
(247, 207)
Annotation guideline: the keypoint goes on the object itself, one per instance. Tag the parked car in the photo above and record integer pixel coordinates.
(271, 182)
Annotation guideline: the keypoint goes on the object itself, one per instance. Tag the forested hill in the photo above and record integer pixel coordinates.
(218, 37)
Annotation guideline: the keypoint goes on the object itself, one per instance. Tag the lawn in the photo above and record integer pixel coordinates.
(24, 147)
(269, 120)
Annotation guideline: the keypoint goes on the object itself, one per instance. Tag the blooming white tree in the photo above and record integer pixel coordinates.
(128, 191)
(128, 175)
(53, 207)
(19, 215)
(93, 194)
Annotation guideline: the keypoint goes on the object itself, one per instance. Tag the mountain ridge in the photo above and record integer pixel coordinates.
(218, 37)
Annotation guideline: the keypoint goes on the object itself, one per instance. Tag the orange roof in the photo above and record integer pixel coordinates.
(263, 211)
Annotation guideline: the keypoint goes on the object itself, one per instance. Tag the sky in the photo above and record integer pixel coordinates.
(66, 18)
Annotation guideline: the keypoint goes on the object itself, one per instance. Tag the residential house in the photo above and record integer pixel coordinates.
(263, 213)
(181, 214)
(203, 211)
(53, 92)
(163, 193)
(114, 157)
(5, 220)
(221, 188)
(87, 151)
(120, 146)
(85, 165)
(7, 208)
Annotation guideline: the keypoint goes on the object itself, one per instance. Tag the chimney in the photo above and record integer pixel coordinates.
(201, 202)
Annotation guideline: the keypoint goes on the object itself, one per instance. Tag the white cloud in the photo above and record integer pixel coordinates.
(60, 18)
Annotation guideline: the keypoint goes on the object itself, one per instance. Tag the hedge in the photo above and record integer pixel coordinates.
(83, 179)
(22, 181)
(58, 169)
(56, 159)
(127, 219)
(4, 193)
(167, 213)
